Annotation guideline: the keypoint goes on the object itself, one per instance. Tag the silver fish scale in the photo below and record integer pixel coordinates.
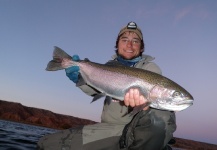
(114, 83)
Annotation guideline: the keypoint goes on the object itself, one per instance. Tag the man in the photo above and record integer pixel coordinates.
(150, 129)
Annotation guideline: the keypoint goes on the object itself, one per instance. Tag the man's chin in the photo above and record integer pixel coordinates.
(128, 57)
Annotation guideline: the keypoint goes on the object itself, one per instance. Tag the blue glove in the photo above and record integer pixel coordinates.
(73, 72)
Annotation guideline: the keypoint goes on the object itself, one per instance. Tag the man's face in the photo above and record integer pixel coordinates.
(129, 45)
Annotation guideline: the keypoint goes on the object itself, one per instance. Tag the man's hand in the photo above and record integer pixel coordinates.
(134, 98)
(73, 72)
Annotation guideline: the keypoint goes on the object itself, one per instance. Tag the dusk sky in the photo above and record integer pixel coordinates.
(180, 34)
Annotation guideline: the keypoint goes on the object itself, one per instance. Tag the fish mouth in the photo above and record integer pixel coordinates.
(187, 102)
(181, 105)
(178, 106)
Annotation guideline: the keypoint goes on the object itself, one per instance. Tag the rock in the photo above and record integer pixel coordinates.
(17, 112)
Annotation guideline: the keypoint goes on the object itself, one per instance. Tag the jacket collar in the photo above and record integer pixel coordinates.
(145, 58)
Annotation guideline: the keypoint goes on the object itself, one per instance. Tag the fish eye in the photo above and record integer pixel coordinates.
(176, 94)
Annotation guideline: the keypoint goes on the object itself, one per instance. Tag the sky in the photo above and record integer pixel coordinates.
(180, 34)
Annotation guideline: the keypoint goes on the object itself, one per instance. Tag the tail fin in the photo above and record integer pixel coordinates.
(58, 55)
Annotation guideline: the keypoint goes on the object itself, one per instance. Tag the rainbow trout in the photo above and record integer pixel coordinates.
(116, 80)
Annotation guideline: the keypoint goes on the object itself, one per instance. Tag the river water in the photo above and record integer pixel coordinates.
(18, 136)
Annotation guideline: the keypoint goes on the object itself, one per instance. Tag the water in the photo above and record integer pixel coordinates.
(18, 136)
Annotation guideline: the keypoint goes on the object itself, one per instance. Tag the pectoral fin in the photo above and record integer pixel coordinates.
(98, 96)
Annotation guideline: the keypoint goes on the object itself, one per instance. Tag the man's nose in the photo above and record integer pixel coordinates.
(129, 43)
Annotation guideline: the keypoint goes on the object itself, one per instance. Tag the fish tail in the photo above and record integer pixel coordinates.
(58, 56)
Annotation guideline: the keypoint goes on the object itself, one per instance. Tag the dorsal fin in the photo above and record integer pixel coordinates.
(58, 53)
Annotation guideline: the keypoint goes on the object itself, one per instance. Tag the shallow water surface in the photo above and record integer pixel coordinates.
(18, 136)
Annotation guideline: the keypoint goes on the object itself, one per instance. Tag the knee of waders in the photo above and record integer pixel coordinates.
(149, 132)
(152, 122)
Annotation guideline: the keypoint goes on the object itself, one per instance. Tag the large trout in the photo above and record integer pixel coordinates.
(116, 80)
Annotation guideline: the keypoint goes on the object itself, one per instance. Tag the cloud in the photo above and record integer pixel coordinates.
(158, 9)
(196, 12)
(203, 14)
(182, 14)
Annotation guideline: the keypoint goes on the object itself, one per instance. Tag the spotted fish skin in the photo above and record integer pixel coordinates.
(115, 81)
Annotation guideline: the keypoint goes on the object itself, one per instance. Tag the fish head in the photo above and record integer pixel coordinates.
(171, 98)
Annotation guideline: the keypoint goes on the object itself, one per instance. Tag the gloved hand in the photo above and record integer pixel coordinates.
(73, 72)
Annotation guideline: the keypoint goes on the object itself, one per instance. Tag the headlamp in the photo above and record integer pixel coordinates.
(131, 25)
